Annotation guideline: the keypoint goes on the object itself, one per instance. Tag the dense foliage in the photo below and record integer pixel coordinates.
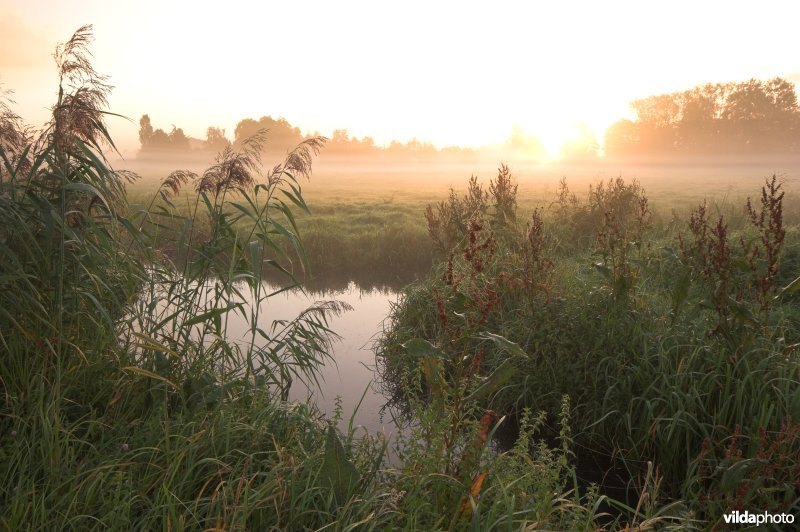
(675, 340)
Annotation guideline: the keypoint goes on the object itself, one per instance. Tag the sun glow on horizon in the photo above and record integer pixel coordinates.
(465, 78)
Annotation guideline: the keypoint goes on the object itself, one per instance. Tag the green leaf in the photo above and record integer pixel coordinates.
(680, 292)
(211, 314)
(790, 288)
(494, 381)
(742, 311)
(150, 374)
(89, 189)
(337, 470)
(733, 476)
(419, 347)
(296, 198)
(256, 257)
(151, 344)
(603, 269)
(504, 344)
(460, 303)
(434, 377)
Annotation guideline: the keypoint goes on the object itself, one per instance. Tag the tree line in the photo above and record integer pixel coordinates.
(749, 117)
(159, 141)
(281, 135)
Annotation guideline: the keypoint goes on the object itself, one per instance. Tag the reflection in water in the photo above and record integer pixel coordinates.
(351, 373)
(383, 281)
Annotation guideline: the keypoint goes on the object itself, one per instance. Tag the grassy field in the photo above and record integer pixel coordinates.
(366, 221)
(660, 367)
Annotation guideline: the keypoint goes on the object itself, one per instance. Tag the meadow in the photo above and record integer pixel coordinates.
(552, 334)
(367, 219)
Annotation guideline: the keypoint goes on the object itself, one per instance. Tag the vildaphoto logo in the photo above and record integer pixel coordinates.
(764, 518)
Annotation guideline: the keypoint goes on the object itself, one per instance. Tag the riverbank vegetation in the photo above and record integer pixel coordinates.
(674, 338)
(584, 327)
(124, 403)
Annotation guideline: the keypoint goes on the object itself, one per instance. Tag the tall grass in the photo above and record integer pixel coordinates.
(124, 404)
(676, 342)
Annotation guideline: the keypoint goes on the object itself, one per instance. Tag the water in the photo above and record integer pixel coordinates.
(351, 374)
(351, 377)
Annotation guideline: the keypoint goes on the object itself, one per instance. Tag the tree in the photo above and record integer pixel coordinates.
(178, 140)
(752, 116)
(698, 128)
(145, 131)
(282, 136)
(157, 140)
(657, 116)
(216, 141)
(340, 137)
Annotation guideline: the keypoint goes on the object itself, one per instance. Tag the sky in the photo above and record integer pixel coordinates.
(454, 73)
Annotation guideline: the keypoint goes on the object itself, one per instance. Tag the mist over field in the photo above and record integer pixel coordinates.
(706, 135)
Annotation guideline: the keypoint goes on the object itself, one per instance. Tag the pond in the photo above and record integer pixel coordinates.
(350, 375)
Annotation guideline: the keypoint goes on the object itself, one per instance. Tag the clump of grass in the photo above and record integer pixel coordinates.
(731, 476)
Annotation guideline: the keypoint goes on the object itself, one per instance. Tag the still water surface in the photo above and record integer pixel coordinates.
(351, 373)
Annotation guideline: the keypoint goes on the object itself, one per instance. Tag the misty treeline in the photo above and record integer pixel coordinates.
(747, 118)
(282, 137)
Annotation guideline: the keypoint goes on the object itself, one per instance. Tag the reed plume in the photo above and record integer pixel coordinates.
(175, 181)
(83, 95)
(298, 162)
(234, 169)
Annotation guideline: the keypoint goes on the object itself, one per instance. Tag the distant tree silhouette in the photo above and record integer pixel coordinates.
(281, 136)
(752, 117)
(657, 117)
(698, 129)
(763, 115)
(178, 140)
(216, 141)
(157, 140)
(145, 131)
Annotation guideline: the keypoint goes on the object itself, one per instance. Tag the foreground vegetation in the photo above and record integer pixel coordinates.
(674, 339)
(124, 404)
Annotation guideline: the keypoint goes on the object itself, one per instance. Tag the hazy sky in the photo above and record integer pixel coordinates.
(450, 72)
